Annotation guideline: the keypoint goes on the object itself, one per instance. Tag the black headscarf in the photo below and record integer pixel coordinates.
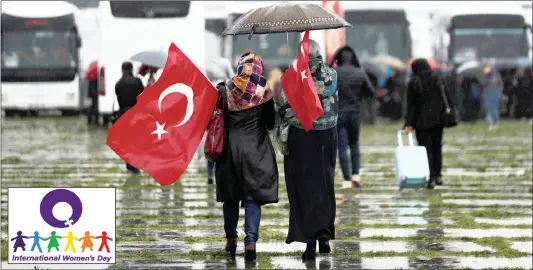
(421, 73)
(421, 67)
(345, 55)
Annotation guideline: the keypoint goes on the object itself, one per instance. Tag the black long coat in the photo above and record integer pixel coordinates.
(425, 102)
(247, 169)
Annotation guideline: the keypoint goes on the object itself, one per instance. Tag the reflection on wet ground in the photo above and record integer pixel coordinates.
(480, 218)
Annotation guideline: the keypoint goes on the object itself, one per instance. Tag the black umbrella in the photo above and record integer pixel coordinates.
(285, 17)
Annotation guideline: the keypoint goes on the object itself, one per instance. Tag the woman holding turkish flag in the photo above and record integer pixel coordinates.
(311, 155)
(247, 171)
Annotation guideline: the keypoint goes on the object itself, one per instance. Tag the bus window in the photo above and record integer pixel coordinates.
(489, 43)
(39, 49)
(150, 9)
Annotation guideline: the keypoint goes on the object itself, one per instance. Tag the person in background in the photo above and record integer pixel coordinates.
(151, 71)
(247, 171)
(92, 92)
(391, 99)
(472, 91)
(353, 86)
(491, 96)
(127, 89)
(425, 105)
(524, 95)
(309, 161)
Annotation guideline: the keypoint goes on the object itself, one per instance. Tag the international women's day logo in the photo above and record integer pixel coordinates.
(59, 222)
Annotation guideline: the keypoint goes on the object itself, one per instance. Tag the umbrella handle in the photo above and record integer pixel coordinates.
(252, 31)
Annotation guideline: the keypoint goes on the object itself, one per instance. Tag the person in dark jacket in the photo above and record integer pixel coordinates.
(127, 89)
(247, 172)
(425, 105)
(472, 91)
(353, 85)
(524, 95)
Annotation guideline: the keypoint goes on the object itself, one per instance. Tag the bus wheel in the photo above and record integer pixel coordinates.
(10, 113)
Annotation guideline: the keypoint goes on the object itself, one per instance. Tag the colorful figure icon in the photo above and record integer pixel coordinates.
(36, 243)
(70, 241)
(53, 243)
(87, 243)
(104, 241)
(19, 242)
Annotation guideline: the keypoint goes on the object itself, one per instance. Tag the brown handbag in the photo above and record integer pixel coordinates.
(214, 142)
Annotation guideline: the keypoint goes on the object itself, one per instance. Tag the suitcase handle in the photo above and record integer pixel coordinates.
(409, 135)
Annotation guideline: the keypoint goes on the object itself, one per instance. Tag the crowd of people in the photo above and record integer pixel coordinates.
(247, 174)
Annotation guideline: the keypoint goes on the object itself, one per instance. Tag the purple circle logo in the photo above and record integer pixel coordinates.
(56, 196)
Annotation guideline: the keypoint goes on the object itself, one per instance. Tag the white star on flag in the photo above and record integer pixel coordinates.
(303, 75)
(159, 130)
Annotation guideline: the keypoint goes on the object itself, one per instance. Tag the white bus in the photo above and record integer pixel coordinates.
(130, 27)
(476, 31)
(396, 28)
(40, 58)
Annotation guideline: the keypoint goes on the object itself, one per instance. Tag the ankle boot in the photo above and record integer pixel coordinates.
(323, 246)
(249, 253)
(231, 246)
(310, 252)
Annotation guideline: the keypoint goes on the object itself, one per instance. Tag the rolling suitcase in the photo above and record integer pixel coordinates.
(412, 166)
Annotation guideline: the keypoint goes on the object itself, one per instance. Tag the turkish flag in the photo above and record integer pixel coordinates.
(334, 37)
(300, 90)
(161, 133)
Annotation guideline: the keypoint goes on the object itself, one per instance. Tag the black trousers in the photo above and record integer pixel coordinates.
(432, 140)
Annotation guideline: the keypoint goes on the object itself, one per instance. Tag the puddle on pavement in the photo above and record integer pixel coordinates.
(479, 233)
(523, 246)
(506, 221)
(488, 202)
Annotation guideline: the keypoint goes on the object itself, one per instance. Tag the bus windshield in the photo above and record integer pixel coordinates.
(380, 39)
(150, 9)
(39, 49)
(488, 43)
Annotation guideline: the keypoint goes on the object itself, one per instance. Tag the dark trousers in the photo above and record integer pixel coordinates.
(93, 115)
(348, 125)
(210, 169)
(252, 218)
(432, 140)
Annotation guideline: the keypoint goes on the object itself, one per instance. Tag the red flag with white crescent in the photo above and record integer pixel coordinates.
(162, 132)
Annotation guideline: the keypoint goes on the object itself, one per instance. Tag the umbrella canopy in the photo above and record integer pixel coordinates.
(472, 69)
(285, 17)
(92, 72)
(432, 63)
(374, 68)
(511, 63)
(391, 61)
(156, 59)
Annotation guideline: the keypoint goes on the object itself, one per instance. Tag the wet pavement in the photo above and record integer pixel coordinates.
(481, 218)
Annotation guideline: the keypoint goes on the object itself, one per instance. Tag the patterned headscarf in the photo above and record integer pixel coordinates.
(248, 88)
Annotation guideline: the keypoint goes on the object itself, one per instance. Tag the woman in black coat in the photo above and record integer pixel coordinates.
(247, 172)
(425, 105)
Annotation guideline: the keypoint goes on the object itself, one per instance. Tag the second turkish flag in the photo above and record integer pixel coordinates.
(161, 133)
(299, 88)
